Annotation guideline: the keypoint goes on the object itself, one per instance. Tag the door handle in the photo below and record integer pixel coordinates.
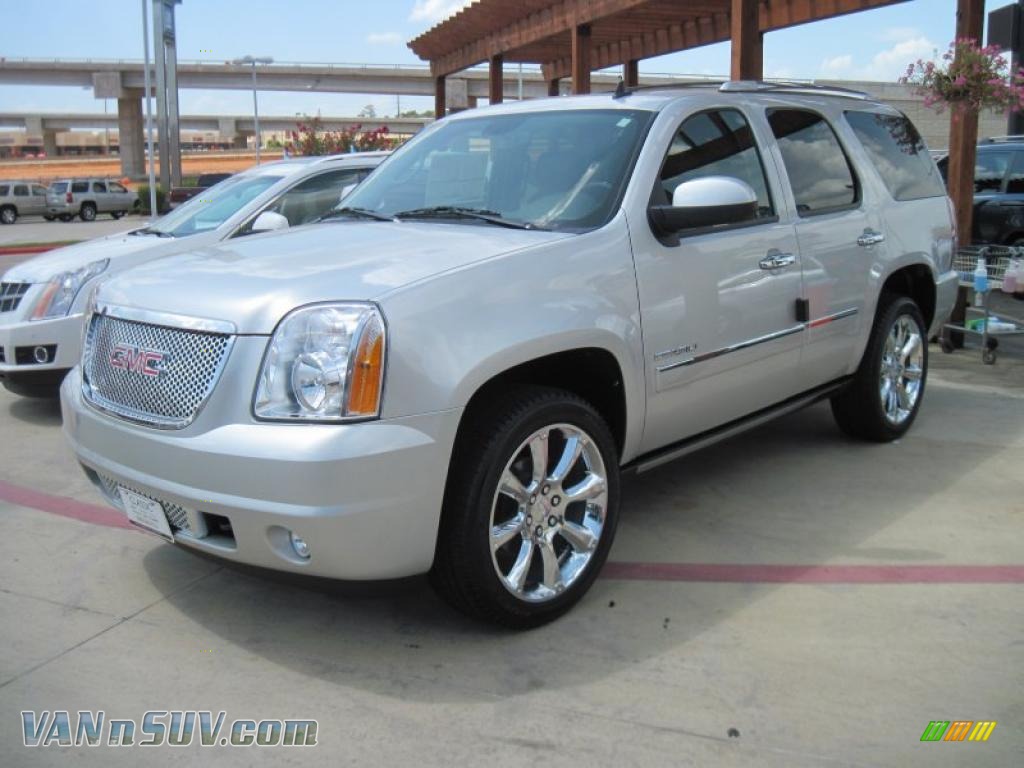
(869, 238)
(777, 260)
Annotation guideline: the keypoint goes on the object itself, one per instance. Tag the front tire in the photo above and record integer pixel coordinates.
(87, 212)
(882, 401)
(530, 508)
(115, 215)
(8, 215)
(49, 216)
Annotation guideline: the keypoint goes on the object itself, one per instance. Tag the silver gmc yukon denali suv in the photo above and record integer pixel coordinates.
(522, 303)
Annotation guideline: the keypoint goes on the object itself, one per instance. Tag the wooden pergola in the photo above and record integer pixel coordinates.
(571, 38)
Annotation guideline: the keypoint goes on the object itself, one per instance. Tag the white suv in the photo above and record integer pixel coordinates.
(42, 300)
(523, 302)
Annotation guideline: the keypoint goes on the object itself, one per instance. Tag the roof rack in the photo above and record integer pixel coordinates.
(1001, 139)
(761, 86)
(750, 86)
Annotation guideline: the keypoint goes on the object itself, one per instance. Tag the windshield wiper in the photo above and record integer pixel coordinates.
(362, 213)
(458, 212)
(150, 231)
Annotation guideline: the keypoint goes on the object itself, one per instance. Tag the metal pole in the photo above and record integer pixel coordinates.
(149, 112)
(520, 81)
(256, 113)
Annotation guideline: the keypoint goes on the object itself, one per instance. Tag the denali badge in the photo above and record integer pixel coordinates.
(128, 357)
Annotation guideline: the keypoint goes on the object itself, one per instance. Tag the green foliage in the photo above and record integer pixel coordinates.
(161, 200)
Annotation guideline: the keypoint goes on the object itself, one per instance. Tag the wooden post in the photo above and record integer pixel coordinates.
(439, 97)
(581, 59)
(747, 48)
(554, 87)
(496, 91)
(631, 73)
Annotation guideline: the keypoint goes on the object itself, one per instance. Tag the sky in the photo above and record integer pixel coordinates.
(873, 45)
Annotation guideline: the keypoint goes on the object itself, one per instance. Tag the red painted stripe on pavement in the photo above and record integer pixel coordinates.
(626, 571)
(62, 505)
(14, 250)
(816, 574)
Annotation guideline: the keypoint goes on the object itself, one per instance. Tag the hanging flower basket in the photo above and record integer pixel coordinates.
(968, 75)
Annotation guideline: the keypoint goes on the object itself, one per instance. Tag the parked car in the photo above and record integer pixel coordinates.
(21, 198)
(451, 374)
(179, 195)
(86, 198)
(998, 191)
(42, 299)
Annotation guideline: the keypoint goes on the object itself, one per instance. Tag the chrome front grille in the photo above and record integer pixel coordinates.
(11, 295)
(176, 516)
(152, 374)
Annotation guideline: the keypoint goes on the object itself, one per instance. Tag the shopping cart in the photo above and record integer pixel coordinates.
(979, 321)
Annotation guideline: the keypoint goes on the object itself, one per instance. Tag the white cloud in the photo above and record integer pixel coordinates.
(435, 10)
(383, 38)
(837, 65)
(887, 65)
(898, 34)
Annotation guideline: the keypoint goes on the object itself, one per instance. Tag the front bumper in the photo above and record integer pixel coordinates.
(61, 337)
(366, 497)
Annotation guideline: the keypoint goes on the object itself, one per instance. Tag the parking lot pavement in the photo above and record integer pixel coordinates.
(819, 599)
(35, 229)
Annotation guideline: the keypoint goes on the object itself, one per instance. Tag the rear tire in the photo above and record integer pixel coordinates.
(8, 215)
(87, 212)
(882, 401)
(49, 216)
(65, 217)
(115, 215)
(531, 501)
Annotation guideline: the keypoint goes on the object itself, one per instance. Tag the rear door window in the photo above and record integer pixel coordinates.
(819, 171)
(4, 190)
(79, 186)
(21, 190)
(898, 154)
(1015, 182)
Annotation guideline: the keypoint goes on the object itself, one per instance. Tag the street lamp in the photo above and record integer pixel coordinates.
(253, 61)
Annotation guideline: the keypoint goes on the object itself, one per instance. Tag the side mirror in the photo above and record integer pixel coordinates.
(269, 221)
(706, 202)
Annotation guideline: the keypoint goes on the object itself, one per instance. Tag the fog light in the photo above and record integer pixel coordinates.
(299, 545)
(41, 355)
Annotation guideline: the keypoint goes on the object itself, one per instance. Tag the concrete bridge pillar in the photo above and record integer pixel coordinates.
(131, 124)
(34, 127)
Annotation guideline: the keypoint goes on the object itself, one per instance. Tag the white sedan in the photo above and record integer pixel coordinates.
(42, 300)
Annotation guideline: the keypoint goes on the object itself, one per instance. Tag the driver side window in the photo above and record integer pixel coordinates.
(311, 199)
(715, 143)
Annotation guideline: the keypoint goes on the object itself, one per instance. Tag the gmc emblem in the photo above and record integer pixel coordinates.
(128, 357)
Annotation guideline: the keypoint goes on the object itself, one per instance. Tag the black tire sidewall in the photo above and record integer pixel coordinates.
(88, 213)
(8, 215)
(480, 496)
(871, 369)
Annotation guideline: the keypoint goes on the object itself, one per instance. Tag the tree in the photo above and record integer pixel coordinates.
(368, 111)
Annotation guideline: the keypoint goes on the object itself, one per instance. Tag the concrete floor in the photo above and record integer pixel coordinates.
(641, 673)
(35, 229)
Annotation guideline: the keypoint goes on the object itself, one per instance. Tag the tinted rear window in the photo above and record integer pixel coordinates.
(79, 186)
(899, 155)
(4, 190)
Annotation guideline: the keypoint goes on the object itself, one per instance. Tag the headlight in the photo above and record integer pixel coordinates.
(60, 292)
(325, 362)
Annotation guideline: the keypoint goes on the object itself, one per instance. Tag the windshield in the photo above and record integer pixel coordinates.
(211, 208)
(561, 170)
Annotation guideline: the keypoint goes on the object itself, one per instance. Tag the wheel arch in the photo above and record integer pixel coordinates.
(915, 281)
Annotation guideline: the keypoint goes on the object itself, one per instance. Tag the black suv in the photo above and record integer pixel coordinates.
(998, 191)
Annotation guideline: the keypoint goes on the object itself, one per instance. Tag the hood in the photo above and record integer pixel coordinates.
(41, 268)
(254, 281)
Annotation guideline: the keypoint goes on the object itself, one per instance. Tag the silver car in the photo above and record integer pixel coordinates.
(21, 198)
(42, 300)
(520, 304)
(86, 198)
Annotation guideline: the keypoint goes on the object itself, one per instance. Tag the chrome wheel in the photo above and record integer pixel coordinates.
(548, 513)
(8, 216)
(902, 370)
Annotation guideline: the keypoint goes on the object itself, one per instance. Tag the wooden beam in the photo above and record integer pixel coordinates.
(581, 59)
(496, 89)
(631, 73)
(747, 50)
(963, 129)
(439, 97)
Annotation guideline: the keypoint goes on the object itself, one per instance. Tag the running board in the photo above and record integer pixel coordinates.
(704, 439)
